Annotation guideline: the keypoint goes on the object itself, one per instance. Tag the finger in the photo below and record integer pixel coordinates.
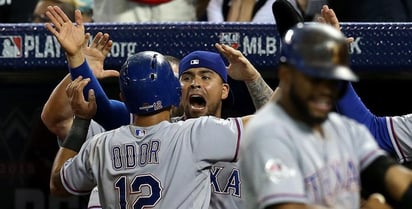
(111, 73)
(50, 14)
(51, 29)
(333, 19)
(103, 41)
(96, 40)
(107, 48)
(378, 197)
(221, 49)
(57, 14)
(78, 97)
(92, 101)
(61, 15)
(86, 40)
(78, 17)
(71, 86)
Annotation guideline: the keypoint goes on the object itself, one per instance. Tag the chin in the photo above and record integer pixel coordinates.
(197, 113)
(316, 120)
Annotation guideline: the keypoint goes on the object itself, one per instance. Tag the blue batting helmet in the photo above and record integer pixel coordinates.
(148, 84)
(317, 50)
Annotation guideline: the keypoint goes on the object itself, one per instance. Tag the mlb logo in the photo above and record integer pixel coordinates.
(11, 47)
(230, 38)
(194, 62)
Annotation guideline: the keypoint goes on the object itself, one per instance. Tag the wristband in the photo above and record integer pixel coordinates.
(77, 134)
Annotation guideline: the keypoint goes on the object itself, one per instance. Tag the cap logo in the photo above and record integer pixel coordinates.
(194, 62)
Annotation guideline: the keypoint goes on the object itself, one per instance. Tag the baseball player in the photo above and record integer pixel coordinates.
(297, 153)
(146, 163)
(203, 77)
(204, 85)
(349, 104)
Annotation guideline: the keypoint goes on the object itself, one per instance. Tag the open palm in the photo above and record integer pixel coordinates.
(70, 35)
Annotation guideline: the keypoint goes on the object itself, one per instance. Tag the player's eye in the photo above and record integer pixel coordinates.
(185, 78)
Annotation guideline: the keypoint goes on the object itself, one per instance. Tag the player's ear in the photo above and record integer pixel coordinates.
(225, 90)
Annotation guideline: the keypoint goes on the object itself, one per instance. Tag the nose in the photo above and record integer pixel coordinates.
(195, 83)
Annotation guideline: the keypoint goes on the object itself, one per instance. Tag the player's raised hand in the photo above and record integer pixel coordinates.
(70, 35)
(96, 52)
(239, 66)
(328, 16)
(81, 108)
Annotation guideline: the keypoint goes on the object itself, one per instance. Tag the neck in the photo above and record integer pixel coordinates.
(150, 120)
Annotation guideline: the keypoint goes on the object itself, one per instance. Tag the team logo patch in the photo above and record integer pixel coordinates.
(276, 170)
(140, 133)
(11, 47)
(230, 38)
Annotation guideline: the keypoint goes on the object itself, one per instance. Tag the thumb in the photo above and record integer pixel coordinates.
(110, 73)
(92, 100)
(92, 105)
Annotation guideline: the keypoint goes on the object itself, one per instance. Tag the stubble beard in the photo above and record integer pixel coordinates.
(303, 109)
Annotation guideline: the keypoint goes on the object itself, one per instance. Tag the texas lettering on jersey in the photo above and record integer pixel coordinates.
(225, 183)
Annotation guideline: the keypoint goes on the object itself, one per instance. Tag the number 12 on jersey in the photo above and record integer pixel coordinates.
(143, 191)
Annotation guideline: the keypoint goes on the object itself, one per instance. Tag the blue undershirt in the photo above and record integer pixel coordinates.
(110, 113)
(352, 106)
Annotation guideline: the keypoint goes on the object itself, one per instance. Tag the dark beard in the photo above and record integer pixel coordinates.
(303, 110)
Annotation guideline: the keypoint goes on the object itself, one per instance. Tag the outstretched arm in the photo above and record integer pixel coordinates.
(352, 106)
(241, 69)
(71, 38)
(57, 114)
(84, 111)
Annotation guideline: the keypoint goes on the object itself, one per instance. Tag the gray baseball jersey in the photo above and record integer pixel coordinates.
(399, 129)
(226, 184)
(162, 166)
(225, 181)
(284, 160)
(94, 128)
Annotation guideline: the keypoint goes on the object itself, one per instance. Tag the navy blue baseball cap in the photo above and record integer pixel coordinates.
(206, 59)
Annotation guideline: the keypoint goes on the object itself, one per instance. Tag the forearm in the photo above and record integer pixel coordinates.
(76, 59)
(259, 91)
(70, 147)
(233, 14)
(110, 113)
(57, 114)
(246, 10)
(56, 186)
(352, 106)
